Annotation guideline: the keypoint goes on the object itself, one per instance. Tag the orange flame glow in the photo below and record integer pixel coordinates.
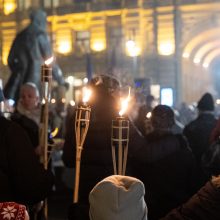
(86, 94)
(124, 104)
(49, 61)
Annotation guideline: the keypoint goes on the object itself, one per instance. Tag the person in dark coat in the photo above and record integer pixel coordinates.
(29, 50)
(27, 112)
(166, 165)
(204, 205)
(23, 178)
(96, 160)
(199, 130)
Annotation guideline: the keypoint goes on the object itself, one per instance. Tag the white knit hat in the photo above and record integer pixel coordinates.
(118, 198)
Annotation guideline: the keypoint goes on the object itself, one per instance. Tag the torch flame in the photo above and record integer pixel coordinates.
(49, 61)
(86, 94)
(124, 104)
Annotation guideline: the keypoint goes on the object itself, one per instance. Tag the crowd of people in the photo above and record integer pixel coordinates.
(171, 173)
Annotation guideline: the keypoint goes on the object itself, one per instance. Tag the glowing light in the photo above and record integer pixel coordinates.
(132, 49)
(64, 47)
(72, 103)
(49, 61)
(98, 45)
(54, 132)
(9, 7)
(70, 80)
(148, 115)
(53, 101)
(166, 48)
(196, 60)
(205, 65)
(85, 80)
(124, 104)
(185, 55)
(63, 100)
(86, 94)
(218, 101)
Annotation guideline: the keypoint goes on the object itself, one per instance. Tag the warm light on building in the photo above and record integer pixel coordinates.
(132, 49)
(186, 55)
(166, 48)
(196, 60)
(98, 45)
(64, 47)
(9, 6)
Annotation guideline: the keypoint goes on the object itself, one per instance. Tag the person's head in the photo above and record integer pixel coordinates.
(149, 100)
(29, 96)
(118, 197)
(39, 18)
(206, 103)
(162, 118)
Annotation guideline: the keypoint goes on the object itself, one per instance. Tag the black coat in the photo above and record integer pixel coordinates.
(96, 160)
(204, 205)
(168, 170)
(198, 133)
(23, 179)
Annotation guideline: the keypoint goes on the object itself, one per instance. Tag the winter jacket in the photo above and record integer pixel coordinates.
(168, 169)
(198, 133)
(23, 178)
(204, 205)
(96, 157)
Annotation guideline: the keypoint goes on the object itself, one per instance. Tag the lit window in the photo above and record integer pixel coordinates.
(9, 6)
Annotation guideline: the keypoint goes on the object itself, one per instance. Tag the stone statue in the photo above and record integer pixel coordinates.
(29, 50)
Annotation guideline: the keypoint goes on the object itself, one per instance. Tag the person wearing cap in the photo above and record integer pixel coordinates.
(165, 165)
(199, 130)
(96, 159)
(118, 198)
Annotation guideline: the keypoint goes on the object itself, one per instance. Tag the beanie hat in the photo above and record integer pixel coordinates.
(118, 197)
(206, 103)
(13, 211)
(162, 117)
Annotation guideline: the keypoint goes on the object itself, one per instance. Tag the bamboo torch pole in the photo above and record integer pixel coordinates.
(82, 120)
(46, 78)
(120, 140)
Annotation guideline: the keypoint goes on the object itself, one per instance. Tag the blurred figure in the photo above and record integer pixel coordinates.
(199, 130)
(166, 165)
(27, 112)
(142, 113)
(13, 211)
(96, 161)
(29, 50)
(118, 198)
(23, 178)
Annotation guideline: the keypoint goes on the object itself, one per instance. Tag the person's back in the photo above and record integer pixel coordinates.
(96, 161)
(199, 130)
(23, 179)
(165, 165)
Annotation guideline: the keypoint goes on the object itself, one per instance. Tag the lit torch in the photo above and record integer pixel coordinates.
(120, 139)
(82, 120)
(46, 78)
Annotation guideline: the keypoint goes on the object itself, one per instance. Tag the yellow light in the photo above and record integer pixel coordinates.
(124, 103)
(98, 45)
(72, 103)
(53, 101)
(132, 49)
(64, 47)
(166, 48)
(86, 94)
(9, 7)
(185, 55)
(196, 60)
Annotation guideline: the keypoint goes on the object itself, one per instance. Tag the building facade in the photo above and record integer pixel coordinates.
(169, 43)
